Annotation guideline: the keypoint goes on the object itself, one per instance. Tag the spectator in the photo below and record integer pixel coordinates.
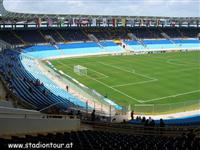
(132, 115)
(150, 119)
(37, 82)
(45, 92)
(152, 123)
(162, 124)
(124, 121)
(67, 87)
(143, 119)
(79, 114)
(93, 115)
(146, 123)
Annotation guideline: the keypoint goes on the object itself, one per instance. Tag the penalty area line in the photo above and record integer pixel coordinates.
(132, 72)
(115, 90)
(105, 76)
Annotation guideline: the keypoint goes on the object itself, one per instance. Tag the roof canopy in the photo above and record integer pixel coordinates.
(12, 15)
(13, 18)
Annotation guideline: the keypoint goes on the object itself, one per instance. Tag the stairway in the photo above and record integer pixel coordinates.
(139, 41)
(109, 34)
(42, 35)
(182, 36)
(153, 34)
(84, 33)
(94, 39)
(61, 36)
(167, 37)
(18, 37)
(49, 38)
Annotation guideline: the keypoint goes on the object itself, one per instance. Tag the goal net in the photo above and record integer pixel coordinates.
(80, 70)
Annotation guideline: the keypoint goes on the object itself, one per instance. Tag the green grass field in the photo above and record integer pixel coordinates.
(140, 79)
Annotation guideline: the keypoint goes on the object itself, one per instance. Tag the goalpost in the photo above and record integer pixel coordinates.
(80, 70)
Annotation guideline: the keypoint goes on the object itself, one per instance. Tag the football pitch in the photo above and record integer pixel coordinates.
(164, 78)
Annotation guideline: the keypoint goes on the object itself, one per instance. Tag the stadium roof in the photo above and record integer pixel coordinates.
(20, 16)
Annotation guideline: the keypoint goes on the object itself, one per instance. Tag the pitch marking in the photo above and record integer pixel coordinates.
(115, 89)
(135, 83)
(104, 76)
(128, 71)
(181, 70)
(156, 99)
(170, 61)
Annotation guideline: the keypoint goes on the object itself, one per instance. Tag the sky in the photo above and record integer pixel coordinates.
(171, 8)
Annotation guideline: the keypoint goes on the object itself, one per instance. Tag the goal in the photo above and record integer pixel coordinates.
(80, 70)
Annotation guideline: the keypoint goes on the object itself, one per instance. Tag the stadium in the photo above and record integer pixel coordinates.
(99, 81)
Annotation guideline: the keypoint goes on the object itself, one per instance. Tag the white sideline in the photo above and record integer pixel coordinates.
(142, 75)
(101, 77)
(115, 89)
(169, 61)
(135, 83)
(63, 64)
(156, 99)
(181, 70)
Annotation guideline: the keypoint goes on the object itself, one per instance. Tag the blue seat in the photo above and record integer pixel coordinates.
(23, 71)
(46, 51)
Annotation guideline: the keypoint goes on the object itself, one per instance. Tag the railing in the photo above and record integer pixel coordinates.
(134, 37)
(35, 115)
(167, 37)
(94, 39)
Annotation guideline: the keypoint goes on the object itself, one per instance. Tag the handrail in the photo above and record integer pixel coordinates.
(49, 106)
(32, 115)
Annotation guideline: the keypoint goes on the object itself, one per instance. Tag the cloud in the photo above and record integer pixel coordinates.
(107, 7)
